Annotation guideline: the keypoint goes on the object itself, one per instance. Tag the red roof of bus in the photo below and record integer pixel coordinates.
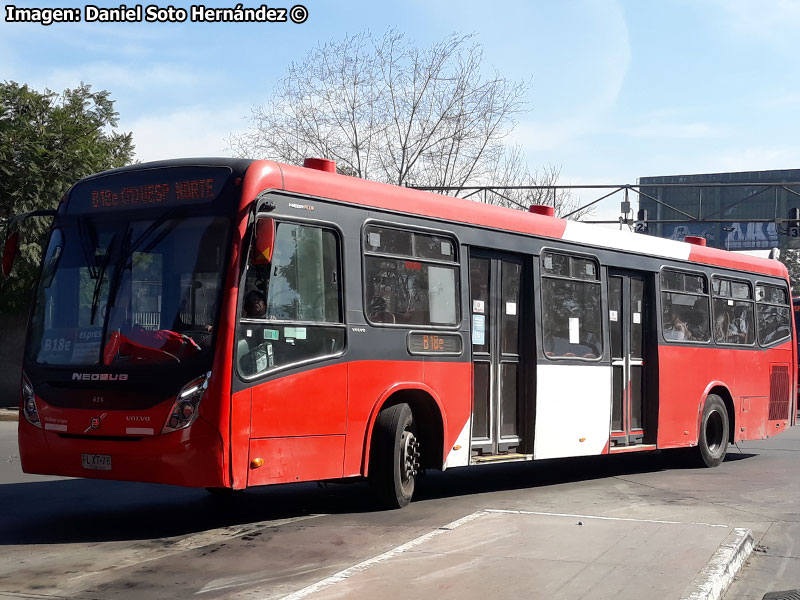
(363, 192)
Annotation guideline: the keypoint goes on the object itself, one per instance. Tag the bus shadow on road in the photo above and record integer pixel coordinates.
(519, 476)
(80, 510)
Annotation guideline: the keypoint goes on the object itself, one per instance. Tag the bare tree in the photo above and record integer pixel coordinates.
(510, 169)
(387, 110)
(384, 109)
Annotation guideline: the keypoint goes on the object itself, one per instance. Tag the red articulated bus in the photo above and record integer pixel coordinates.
(232, 323)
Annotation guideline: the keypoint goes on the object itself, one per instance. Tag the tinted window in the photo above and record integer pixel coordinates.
(571, 324)
(291, 310)
(413, 244)
(418, 285)
(773, 313)
(733, 318)
(685, 315)
(153, 285)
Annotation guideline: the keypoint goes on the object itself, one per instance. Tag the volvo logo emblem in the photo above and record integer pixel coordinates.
(94, 423)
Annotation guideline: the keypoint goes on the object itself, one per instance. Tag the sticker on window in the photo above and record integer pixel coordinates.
(87, 345)
(511, 308)
(477, 306)
(612, 315)
(272, 334)
(298, 333)
(447, 248)
(478, 330)
(374, 239)
(574, 330)
(261, 360)
(637, 318)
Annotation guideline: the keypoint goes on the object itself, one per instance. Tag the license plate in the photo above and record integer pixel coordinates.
(97, 462)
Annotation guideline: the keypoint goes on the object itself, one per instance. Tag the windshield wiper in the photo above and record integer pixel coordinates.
(88, 242)
(100, 278)
(128, 248)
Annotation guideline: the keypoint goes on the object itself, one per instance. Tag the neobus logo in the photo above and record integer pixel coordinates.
(99, 377)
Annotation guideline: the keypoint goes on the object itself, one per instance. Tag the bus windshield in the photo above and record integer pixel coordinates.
(122, 293)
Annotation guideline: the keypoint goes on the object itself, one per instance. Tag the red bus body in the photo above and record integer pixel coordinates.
(316, 421)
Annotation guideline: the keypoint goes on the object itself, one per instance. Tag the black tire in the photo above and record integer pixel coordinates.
(714, 433)
(394, 456)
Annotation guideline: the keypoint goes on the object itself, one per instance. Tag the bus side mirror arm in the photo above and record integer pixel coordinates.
(263, 204)
(263, 230)
(11, 245)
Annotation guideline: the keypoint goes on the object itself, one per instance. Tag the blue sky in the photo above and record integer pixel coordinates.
(621, 89)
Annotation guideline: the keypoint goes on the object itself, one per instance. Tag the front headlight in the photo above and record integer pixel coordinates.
(184, 409)
(29, 402)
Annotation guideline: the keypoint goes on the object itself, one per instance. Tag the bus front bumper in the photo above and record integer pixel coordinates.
(191, 457)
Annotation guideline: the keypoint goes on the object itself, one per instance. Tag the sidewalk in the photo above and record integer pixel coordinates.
(508, 554)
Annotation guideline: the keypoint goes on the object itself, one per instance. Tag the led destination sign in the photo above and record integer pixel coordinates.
(149, 188)
(197, 189)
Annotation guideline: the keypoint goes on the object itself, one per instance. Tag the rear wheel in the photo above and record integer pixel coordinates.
(714, 432)
(394, 456)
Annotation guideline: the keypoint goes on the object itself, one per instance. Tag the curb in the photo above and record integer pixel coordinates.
(9, 414)
(712, 581)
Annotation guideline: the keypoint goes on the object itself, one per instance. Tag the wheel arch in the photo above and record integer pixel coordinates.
(720, 389)
(431, 421)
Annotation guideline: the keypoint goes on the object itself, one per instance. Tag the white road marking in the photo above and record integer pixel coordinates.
(549, 514)
(363, 566)
(224, 583)
(371, 562)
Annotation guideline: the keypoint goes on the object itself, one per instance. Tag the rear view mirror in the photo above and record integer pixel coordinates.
(261, 252)
(10, 252)
(12, 239)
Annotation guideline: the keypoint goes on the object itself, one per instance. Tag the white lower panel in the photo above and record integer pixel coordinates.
(573, 403)
(460, 457)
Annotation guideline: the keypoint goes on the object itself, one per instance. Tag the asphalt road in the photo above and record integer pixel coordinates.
(92, 539)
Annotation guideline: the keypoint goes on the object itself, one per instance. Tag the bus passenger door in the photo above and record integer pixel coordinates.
(627, 327)
(496, 315)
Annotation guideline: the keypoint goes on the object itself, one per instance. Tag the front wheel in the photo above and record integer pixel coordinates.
(714, 432)
(394, 456)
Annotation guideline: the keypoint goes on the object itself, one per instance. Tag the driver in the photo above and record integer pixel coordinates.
(255, 306)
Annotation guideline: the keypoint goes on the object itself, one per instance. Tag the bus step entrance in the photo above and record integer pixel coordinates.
(498, 458)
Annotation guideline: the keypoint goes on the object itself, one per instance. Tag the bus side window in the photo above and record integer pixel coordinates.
(571, 324)
(773, 311)
(292, 307)
(733, 311)
(410, 278)
(685, 307)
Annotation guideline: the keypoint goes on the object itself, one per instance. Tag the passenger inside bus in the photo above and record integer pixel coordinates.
(740, 326)
(677, 329)
(378, 311)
